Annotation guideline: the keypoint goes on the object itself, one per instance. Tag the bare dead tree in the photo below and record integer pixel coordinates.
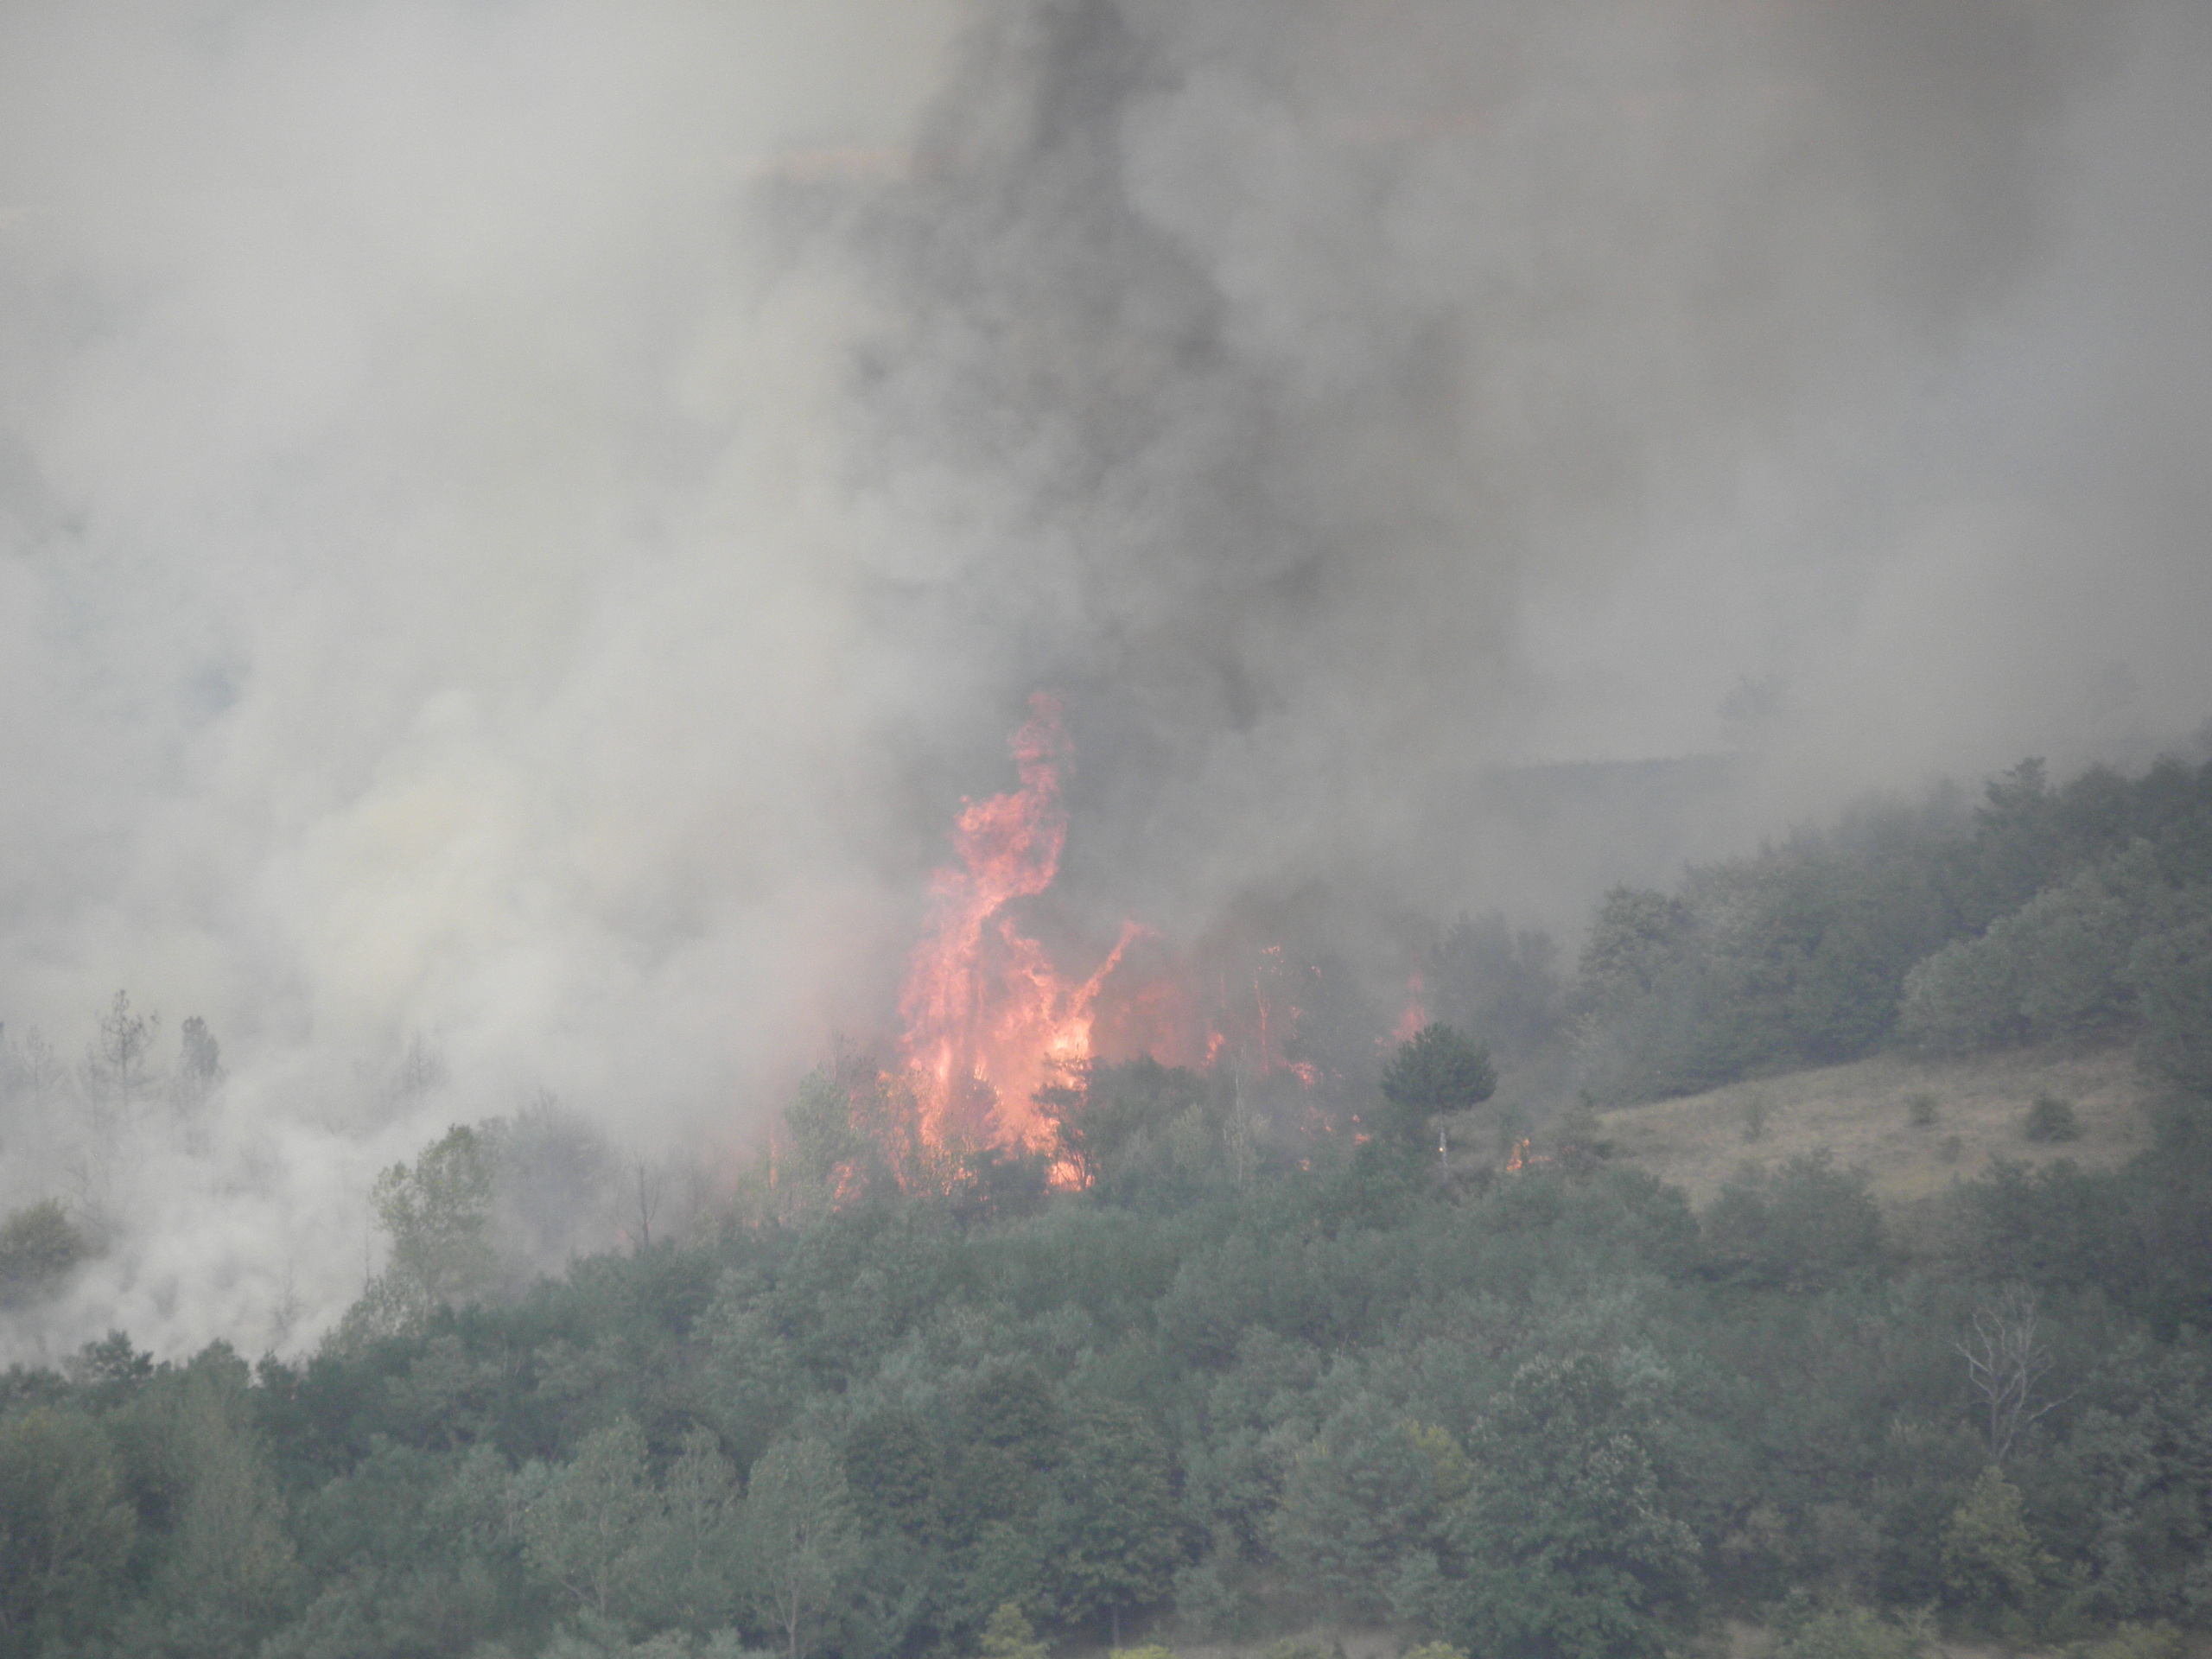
(117, 1068)
(2005, 1364)
(651, 1182)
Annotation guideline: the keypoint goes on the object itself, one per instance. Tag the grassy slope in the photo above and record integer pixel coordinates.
(1859, 1112)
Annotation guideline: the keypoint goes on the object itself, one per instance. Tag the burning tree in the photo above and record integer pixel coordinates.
(990, 1020)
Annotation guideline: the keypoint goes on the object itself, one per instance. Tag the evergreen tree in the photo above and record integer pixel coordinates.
(1439, 1069)
(1573, 1549)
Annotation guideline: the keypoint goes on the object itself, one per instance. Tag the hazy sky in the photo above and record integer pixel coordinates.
(519, 522)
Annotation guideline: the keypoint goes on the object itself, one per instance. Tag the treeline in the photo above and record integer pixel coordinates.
(2076, 912)
(1239, 1383)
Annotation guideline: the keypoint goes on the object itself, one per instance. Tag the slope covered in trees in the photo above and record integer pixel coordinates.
(2071, 913)
(1251, 1370)
(1549, 1412)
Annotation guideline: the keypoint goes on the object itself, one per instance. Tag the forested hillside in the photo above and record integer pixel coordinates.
(1210, 1369)
(2073, 913)
(1549, 1412)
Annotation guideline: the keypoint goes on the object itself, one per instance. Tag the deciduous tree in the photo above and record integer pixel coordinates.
(798, 1539)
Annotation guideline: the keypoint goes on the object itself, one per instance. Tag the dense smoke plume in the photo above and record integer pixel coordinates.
(520, 525)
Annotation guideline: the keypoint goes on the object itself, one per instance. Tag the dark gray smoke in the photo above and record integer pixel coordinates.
(518, 525)
(1342, 402)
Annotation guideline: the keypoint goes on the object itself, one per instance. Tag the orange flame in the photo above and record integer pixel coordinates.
(1415, 1016)
(988, 1019)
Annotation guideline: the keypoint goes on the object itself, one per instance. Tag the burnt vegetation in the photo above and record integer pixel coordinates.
(1227, 1357)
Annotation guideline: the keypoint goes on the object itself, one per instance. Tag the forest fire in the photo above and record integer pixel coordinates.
(988, 1018)
(1416, 1013)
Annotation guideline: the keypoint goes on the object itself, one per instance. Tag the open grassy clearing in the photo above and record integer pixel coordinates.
(1862, 1114)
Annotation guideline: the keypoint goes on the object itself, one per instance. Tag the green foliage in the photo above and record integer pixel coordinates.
(2160, 1640)
(110, 1371)
(2171, 971)
(2055, 968)
(1363, 1497)
(586, 1527)
(65, 1530)
(2049, 1118)
(1804, 1631)
(1572, 1547)
(1007, 1634)
(1482, 976)
(1806, 1226)
(798, 1540)
(227, 1566)
(1210, 1604)
(1439, 1069)
(1514, 1418)
(437, 1217)
(1637, 936)
(412, 1552)
(39, 1246)
(822, 1134)
(1119, 1122)
(1110, 1532)
(2057, 1227)
(2023, 923)
(1991, 1560)
(893, 1470)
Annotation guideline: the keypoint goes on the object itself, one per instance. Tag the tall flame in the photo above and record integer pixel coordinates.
(988, 1020)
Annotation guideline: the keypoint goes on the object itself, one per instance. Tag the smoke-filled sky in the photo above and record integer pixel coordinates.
(520, 521)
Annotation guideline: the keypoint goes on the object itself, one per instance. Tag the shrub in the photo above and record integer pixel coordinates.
(1007, 1634)
(2049, 1118)
(38, 1246)
(1849, 1633)
(1579, 1143)
(1920, 1108)
(1990, 1559)
(2160, 1641)
(1754, 1110)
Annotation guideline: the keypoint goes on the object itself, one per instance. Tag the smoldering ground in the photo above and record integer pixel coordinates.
(521, 523)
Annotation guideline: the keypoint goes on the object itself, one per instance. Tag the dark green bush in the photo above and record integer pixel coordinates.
(38, 1246)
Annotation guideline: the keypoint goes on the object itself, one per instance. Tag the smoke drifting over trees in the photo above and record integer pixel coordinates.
(518, 526)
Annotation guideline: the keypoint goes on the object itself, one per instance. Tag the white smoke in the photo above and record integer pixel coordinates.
(517, 523)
